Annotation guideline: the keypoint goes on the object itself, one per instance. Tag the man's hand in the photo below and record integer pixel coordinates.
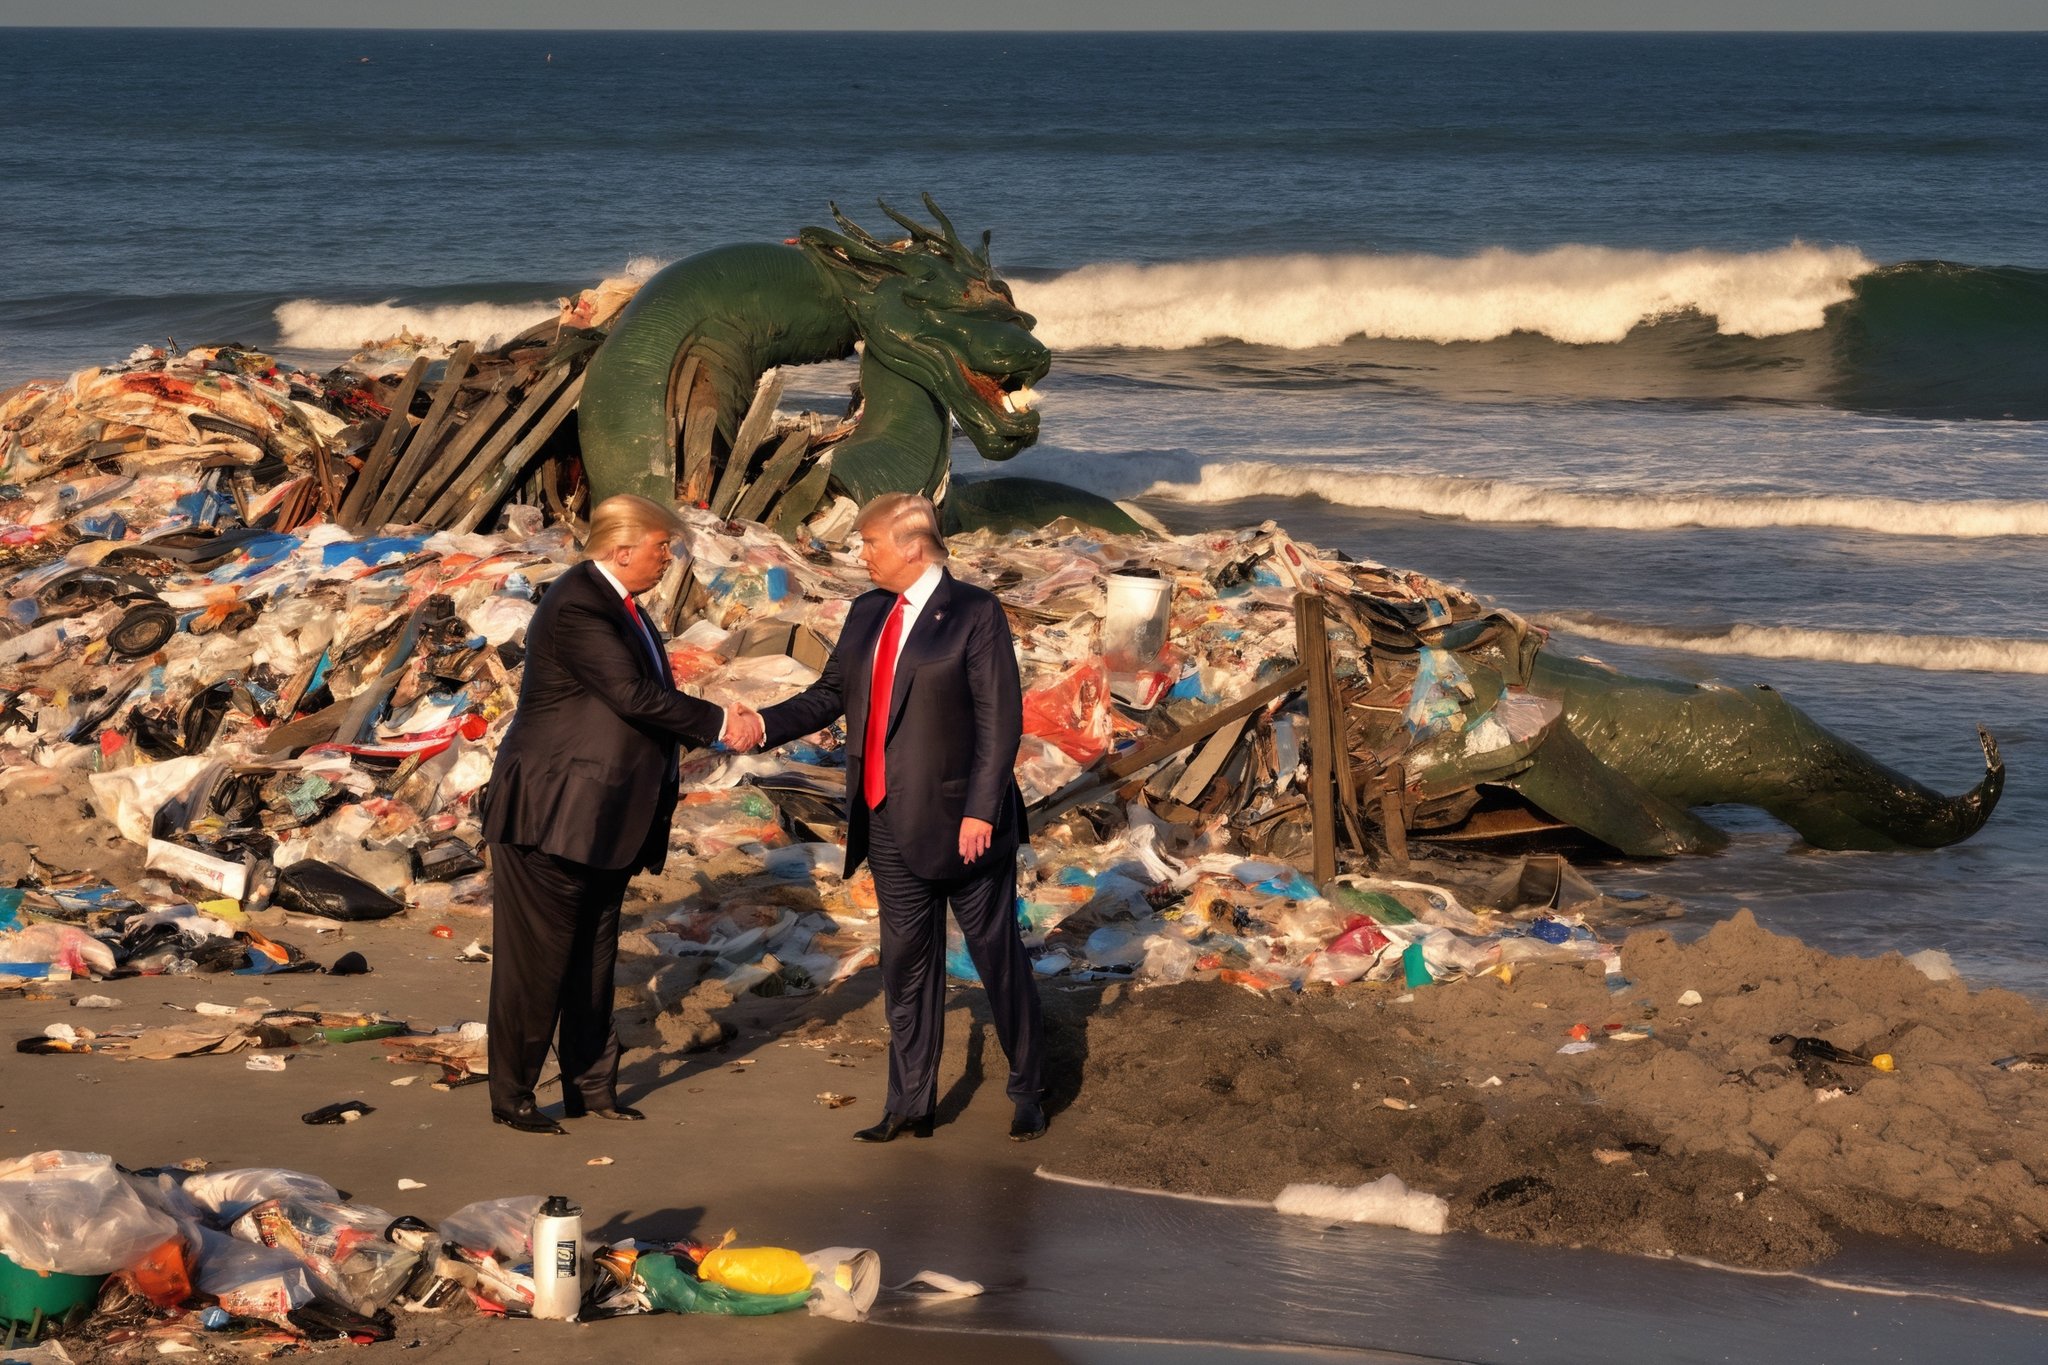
(743, 729)
(974, 838)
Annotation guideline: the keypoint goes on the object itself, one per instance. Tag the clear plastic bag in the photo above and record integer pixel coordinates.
(251, 1280)
(342, 1244)
(844, 1283)
(60, 945)
(72, 1213)
(227, 1195)
(495, 1225)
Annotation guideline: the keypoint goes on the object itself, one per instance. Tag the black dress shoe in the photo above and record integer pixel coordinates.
(620, 1113)
(1029, 1123)
(527, 1119)
(892, 1124)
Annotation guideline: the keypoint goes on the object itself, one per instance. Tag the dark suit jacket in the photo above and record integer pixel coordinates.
(954, 723)
(587, 770)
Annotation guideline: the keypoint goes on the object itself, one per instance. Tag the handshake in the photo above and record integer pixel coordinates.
(743, 729)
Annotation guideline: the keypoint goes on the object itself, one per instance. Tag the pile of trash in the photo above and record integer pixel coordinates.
(266, 1258)
(280, 712)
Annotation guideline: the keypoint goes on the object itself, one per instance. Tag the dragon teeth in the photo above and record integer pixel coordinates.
(1021, 400)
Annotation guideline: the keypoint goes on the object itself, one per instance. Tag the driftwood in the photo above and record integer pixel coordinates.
(419, 448)
(753, 429)
(488, 416)
(1216, 767)
(378, 463)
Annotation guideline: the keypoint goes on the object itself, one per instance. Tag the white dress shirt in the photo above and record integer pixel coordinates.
(914, 598)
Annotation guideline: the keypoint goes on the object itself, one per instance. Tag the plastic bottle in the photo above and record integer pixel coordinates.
(557, 1241)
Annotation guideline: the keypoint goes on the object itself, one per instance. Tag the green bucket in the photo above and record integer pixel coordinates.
(25, 1293)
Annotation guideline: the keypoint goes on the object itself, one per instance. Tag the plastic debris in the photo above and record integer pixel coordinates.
(1387, 1201)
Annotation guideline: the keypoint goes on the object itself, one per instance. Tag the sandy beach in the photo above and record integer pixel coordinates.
(1698, 1139)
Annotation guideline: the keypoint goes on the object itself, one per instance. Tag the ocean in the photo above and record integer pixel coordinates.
(1723, 356)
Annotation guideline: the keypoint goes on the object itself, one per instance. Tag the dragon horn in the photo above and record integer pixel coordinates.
(919, 233)
(866, 256)
(946, 225)
(853, 229)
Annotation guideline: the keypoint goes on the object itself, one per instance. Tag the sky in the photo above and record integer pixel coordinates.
(1044, 15)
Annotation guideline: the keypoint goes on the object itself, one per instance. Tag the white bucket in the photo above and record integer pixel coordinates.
(1134, 628)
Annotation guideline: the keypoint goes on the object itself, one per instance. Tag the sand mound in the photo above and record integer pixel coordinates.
(1700, 1138)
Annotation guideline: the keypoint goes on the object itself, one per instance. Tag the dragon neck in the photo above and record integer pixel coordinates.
(741, 310)
(901, 441)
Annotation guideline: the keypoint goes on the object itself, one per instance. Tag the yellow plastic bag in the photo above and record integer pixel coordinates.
(756, 1270)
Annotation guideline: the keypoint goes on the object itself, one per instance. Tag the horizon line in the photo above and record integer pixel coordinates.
(1418, 30)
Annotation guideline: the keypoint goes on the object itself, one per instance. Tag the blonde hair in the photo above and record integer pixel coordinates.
(907, 519)
(624, 518)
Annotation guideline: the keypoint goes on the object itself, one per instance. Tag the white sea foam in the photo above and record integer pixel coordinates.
(1578, 294)
(1495, 500)
(1884, 1291)
(1932, 653)
(319, 325)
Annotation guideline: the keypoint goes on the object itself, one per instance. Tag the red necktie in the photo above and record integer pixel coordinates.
(874, 781)
(633, 610)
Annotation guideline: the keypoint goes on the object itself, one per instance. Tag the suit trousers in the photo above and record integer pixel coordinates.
(556, 931)
(914, 969)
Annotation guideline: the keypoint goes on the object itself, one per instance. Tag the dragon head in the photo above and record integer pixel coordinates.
(933, 310)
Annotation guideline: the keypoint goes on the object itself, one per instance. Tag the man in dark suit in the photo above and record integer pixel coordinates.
(579, 800)
(926, 676)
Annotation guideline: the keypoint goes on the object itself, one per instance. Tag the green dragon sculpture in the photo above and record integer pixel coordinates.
(941, 340)
(1625, 759)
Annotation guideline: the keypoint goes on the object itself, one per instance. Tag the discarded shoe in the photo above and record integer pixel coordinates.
(892, 1124)
(1029, 1123)
(528, 1119)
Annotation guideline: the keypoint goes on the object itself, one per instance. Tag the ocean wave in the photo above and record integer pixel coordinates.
(324, 325)
(1494, 500)
(1932, 653)
(1574, 294)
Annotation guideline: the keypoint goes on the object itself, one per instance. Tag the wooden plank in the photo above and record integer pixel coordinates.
(421, 446)
(1209, 761)
(682, 378)
(1145, 755)
(753, 430)
(1347, 771)
(691, 603)
(1083, 790)
(1160, 784)
(528, 446)
(323, 478)
(370, 478)
(700, 421)
(1499, 823)
(476, 425)
(788, 515)
(1310, 637)
(487, 459)
(1393, 816)
(774, 474)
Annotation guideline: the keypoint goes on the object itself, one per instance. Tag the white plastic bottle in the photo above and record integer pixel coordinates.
(557, 1242)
